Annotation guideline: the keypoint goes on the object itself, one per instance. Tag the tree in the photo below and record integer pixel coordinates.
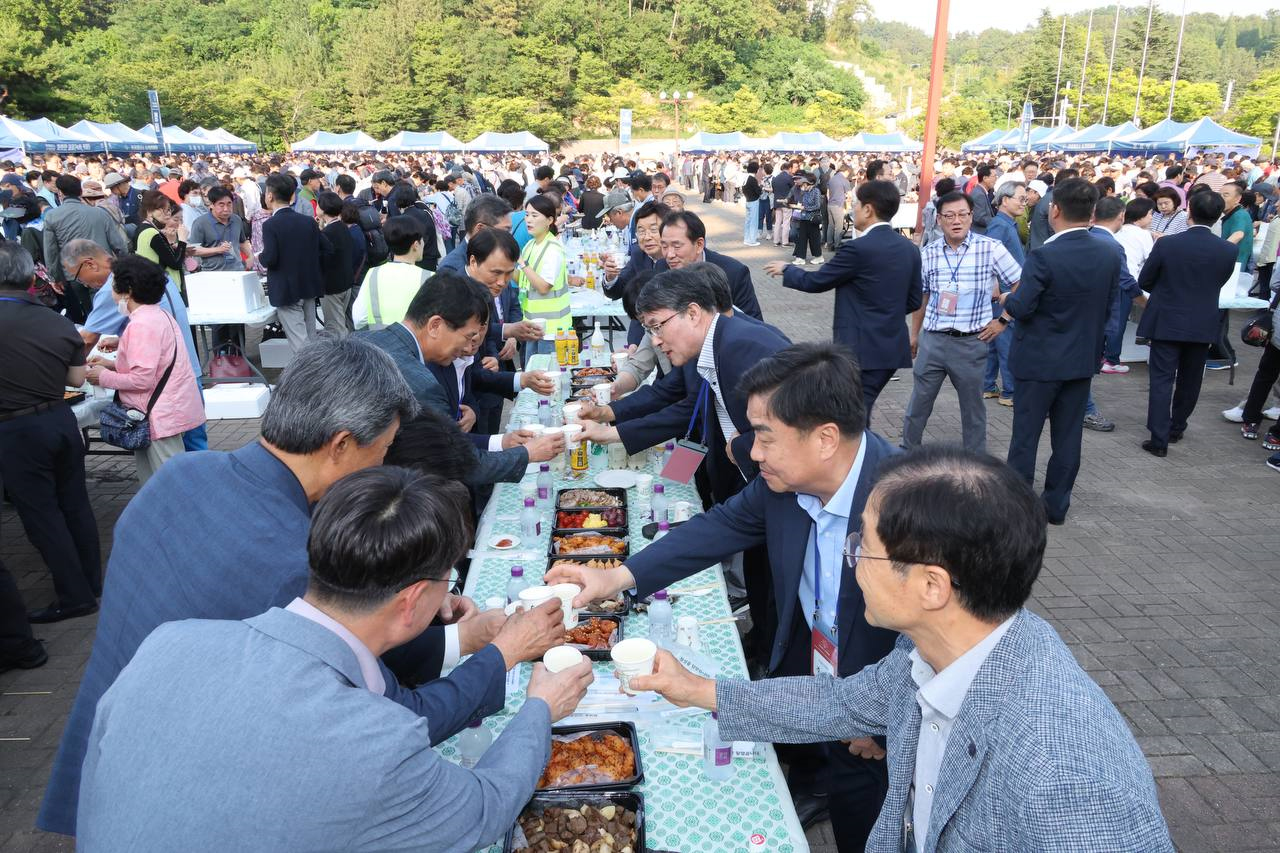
(847, 19)
(741, 112)
(1256, 110)
(831, 114)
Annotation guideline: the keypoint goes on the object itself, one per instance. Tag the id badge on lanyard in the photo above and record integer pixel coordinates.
(688, 454)
(949, 298)
(824, 638)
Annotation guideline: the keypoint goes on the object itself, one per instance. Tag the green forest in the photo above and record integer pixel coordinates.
(275, 70)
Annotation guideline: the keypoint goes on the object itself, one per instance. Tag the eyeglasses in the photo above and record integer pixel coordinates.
(653, 231)
(452, 580)
(954, 217)
(655, 331)
(853, 553)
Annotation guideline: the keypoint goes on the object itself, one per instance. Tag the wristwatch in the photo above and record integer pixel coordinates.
(1004, 321)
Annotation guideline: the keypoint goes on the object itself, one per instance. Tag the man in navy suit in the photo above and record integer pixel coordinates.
(684, 242)
(818, 463)
(1183, 274)
(877, 282)
(1061, 305)
(645, 252)
(292, 250)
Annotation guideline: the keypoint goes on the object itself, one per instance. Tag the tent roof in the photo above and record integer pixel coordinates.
(115, 137)
(224, 140)
(984, 141)
(1051, 140)
(43, 135)
(783, 141)
(493, 141)
(704, 141)
(1207, 132)
(412, 140)
(889, 142)
(1158, 137)
(323, 140)
(1095, 137)
(177, 139)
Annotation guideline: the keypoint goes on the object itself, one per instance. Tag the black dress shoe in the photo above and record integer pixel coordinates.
(1154, 449)
(810, 809)
(1058, 522)
(36, 656)
(1175, 437)
(54, 613)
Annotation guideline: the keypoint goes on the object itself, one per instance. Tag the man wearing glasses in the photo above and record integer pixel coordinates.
(962, 275)
(998, 740)
(817, 463)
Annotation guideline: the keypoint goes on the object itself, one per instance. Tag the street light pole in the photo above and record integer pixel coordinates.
(675, 98)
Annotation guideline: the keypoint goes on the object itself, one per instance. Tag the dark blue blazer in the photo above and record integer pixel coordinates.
(740, 286)
(637, 263)
(760, 516)
(474, 379)
(1128, 284)
(740, 342)
(293, 250)
(877, 283)
(511, 313)
(1183, 274)
(1068, 286)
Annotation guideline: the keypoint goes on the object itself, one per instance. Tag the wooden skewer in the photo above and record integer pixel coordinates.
(723, 620)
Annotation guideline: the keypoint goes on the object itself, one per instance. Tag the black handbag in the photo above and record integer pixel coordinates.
(128, 428)
(1261, 326)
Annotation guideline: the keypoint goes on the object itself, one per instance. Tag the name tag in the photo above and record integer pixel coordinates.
(684, 461)
(947, 300)
(825, 650)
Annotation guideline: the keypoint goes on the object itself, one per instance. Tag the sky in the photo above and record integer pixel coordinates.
(977, 15)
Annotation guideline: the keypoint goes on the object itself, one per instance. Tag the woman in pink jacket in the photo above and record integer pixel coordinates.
(150, 343)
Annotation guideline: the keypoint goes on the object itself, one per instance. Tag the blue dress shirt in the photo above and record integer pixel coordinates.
(831, 525)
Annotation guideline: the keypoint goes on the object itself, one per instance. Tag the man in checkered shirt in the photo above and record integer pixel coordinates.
(962, 274)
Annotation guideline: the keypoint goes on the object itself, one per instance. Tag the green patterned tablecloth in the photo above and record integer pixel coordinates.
(684, 810)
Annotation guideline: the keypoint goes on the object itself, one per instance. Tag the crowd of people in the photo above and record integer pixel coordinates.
(908, 688)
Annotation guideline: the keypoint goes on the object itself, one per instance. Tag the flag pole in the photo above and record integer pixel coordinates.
(931, 110)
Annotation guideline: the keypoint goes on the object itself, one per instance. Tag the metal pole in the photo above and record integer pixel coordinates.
(931, 109)
(1111, 61)
(1275, 140)
(1062, 43)
(1226, 105)
(1142, 70)
(1177, 58)
(1084, 65)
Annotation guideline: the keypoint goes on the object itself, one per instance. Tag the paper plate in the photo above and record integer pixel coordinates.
(616, 479)
(509, 540)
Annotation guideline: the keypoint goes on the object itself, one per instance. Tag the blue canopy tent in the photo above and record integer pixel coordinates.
(43, 136)
(1095, 137)
(493, 141)
(116, 138)
(984, 143)
(323, 140)
(812, 141)
(1155, 139)
(1052, 140)
(891, 143)
(1207, 135)
(226, 142)
(412, 140)
(178, 141)
(702, 141)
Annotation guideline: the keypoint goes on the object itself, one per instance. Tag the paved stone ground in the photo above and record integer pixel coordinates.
(1164, 582)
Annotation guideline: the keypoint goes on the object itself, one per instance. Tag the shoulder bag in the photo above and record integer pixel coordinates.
(128, 428)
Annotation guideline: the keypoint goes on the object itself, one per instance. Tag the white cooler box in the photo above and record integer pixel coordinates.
(224, 293)
(275, 353)
(235, 400)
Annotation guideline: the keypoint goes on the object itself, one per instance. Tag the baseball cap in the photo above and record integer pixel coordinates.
(239, 172)
(114, 179)
(617, 200)
(1040, 187)
(92, 189)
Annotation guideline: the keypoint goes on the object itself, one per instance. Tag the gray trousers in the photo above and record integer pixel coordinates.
(299, 323)
(158, 452)
(337, 323)
(964, 362)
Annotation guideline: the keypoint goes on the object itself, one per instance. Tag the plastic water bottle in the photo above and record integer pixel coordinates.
(667, 451)
(598, 352)
(663, 529)
(717, 754)
(545, 483)
(530, 520)
(472, 743)
(660, 618)
(518, 582)
(544, 413)
(565, 389)
(658, 503)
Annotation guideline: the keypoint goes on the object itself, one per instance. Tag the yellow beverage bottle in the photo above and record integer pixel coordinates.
(562, 349)
(579, 458)
(572, 345)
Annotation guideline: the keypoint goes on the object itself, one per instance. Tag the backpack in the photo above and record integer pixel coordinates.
(376, 249)
(453, 213)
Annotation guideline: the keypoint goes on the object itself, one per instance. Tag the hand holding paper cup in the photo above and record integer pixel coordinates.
(567, 592)
(633, 657)
(561, 658)
(531, 597)
(572, 413)
(602, 393)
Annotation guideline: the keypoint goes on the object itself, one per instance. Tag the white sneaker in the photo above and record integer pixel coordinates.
(1108, 367)
(1236, 415)
(1272, 414)
(798, 262)
(815, 262)
(756, 243)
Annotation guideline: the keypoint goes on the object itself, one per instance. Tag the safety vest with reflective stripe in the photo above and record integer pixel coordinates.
(553, 306)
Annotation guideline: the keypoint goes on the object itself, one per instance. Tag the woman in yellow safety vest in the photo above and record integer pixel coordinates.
(543, 274)
(161, 238)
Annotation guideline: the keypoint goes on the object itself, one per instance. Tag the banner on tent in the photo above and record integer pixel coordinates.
(624, 127)
(153, 98)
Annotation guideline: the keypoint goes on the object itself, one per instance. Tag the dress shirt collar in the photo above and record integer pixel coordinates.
(707, 357)
(945, 691)
(841, 502)
(875, 225)
(1057, 234)
(369, 668)
(416, 345)
(964, 244)
(1191, 225)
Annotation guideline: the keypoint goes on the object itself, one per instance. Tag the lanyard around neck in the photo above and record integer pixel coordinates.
(702, 399)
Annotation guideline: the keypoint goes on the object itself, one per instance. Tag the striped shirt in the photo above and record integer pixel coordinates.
(967, 272)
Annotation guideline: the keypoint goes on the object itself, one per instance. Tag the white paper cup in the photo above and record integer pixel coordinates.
(572, 435)
(560, 658)
(532, 596)
(536, 428)
(602, 393)
(619, 359)
(572, 412)
(644, 484)
(557, 462)
(633, 657)
(683, 511)
(541, 324)
(567, 592)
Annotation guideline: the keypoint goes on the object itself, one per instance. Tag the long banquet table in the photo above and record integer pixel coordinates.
(683, 809)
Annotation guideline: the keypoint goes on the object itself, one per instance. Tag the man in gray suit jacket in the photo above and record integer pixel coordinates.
(997, 740)
(75, 220)
(273, 733)
(445, 320)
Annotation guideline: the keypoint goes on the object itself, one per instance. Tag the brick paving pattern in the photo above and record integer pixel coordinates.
(1165, 582)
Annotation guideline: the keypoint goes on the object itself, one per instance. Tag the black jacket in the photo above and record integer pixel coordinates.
(339, 269)
(293, 252)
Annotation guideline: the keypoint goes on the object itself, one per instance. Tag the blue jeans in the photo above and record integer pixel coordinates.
(766, 213)
(198, 438)
(998, 360)
(1090, 408)
(1114, 332)
(751, 225)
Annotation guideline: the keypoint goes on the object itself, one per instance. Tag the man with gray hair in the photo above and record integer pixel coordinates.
(224, 536)
(1009, 201)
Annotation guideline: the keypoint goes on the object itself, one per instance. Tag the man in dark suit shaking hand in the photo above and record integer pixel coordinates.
(1061, 306)
(1183, 274)
(877, 282)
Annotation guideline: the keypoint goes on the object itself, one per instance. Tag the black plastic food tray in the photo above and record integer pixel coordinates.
(620, 494)
(624, 730)
(623, 510)
(633, 801)
(601, 654)
(576, 372)
(619, 532)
